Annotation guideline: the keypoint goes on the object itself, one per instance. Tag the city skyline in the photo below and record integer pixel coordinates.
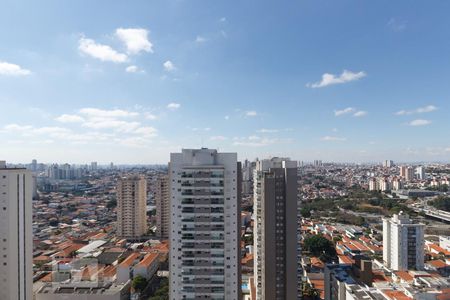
(342, 82)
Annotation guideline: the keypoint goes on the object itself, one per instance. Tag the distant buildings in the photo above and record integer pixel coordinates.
(162, 201)
(403, 243)
(131, 207)
(16, 236)
(275, 229)
(64, 172)
(94, 166)
(388, 164)
(407, 173)
(205, 195)
(247, 177)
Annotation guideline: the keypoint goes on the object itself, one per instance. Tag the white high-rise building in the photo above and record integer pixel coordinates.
(16, 236)
(131, 207)
(403, 243)
(205, 188)
(420, 173)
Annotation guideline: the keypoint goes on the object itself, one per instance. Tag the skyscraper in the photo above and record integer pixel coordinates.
(403, 243)
(205, 192)
(275, 229)
(162, 206)
(16, 236)
(131, 207)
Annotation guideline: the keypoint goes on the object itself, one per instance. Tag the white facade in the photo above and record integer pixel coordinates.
(444, 242)
(16, 236)
(420, 173)
(205, 225)
(403, 243)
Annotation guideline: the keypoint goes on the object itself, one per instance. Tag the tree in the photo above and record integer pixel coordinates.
(309, 292)
(112, 203)
(305, 212)
(442, 203)
(319, 246)
(162, 293)
(139, 283)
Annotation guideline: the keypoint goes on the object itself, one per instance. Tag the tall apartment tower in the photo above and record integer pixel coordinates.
(205, 195)
(162, 201)
(420, 173)
(275, 229)
(131, 207)
(403, 243)
(407, 173)
(16, 236)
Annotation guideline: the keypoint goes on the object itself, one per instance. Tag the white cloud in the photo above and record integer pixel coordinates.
(334, 130)
(227, 117)
(329, 138)
(420, 110)
(135, 39)
(9, 69)
(135, 141)
(150, 116)
(419, 122)
(253, 141)
(99, 51)
(218, 138)
(119, 125)
(199, 39)
(173, 106)
(344, 111)
(16, 127)
(360, 113)
(223, 19)
(330, 79)
(200, 129)
(169, 66)
(146, 131)
(65, 118)
(101, 113)
(265, 130)
(132, 69)
(251, 113)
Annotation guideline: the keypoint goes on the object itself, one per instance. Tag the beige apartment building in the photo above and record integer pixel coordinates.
(162, 201)
(131, 207)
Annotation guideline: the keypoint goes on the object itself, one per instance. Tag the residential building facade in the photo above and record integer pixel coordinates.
(275, 229)
(205, 192)
(403, 243)
(131, 207)
(162, 202)
(16, 236)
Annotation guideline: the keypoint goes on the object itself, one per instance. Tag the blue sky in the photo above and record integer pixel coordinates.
(132, 81)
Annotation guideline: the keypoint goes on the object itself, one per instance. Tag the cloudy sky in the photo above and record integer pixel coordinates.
(132, 81)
